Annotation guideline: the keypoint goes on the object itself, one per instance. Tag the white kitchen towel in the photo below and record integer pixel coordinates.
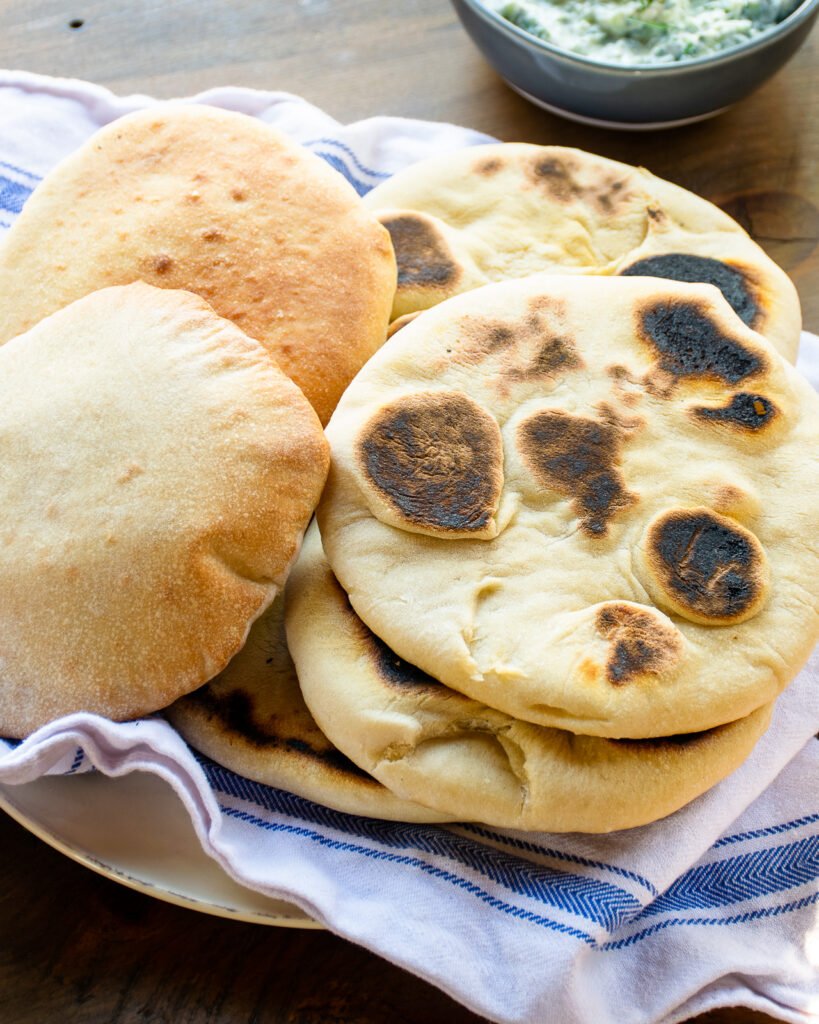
(717, 905)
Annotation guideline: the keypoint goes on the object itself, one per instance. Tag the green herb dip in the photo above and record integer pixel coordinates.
(645, 31)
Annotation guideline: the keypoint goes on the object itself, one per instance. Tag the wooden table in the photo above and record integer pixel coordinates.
(77, 948)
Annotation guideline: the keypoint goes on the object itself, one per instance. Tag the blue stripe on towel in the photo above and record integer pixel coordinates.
(20, 170)
(369, 171)
(338, 164)
(13, 194)
(771, 830)
(529, 847)
(749, 876)
(417, 863)
(734, 919)
(746, 877)
(597, 901)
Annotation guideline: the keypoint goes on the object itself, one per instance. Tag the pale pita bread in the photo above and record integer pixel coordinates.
(589, 502)
(490, 213)
(223, 205)
(253, 720)
(157, 471)
(425, 741)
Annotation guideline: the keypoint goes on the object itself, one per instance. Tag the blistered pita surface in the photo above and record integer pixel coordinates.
(427, 742)
(491, 213)
(648, 564)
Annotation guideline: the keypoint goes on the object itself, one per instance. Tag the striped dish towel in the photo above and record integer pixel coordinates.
(717, 905)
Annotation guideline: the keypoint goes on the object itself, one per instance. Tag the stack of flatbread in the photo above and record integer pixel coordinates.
(567, 555)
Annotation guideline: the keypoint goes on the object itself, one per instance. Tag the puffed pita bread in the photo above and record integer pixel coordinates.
(157, 471)
(424, 740)
(590, 502)
(490, 213)
(223, 205)
(253, 720)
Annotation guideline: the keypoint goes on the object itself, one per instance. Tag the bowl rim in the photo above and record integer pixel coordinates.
(804, 11)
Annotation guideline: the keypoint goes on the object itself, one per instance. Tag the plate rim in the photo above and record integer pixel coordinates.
(87, 859)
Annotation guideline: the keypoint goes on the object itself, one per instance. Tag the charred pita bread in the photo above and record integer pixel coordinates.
(425, 741)
(589, 502)
(253, 720)
(157, 471)
(223, 205)
(490, 213)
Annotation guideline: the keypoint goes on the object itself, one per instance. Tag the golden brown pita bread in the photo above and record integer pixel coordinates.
(253, 720)
(220, 204)
(157, 471)
(589, 502)
(490, 213)
(427, 742)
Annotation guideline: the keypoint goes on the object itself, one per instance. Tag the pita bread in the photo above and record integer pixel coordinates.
(253, 720)
(423, 740)
(220, 204)
(589, 502)
(157, 471)
(490, 213)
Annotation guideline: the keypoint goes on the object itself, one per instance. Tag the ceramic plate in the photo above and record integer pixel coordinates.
(136, 831)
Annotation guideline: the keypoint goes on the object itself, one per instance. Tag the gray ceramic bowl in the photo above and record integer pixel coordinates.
(630, 96)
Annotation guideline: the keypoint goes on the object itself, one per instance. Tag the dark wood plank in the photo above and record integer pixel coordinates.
(80, 949)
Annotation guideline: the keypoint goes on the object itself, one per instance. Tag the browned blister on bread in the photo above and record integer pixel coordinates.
(633, 554)
(508, 210)
(457, 754)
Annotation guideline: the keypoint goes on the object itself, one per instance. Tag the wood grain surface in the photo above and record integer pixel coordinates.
(78, 948)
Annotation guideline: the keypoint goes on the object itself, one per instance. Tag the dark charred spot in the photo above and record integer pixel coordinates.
(438, 460)
(554, 354)
(707, 564)
(161, 264)
(480, 338)
(640, 643)
(535, 346)
(746, 411)
(421, 252)
(394, 670)
(690, 344)
(557, 177)
(499, 336)
(235, 712)
(390, 667)
(677, 742)
(609, 194)
(489, 167)
(579, 458)
(680, 266)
